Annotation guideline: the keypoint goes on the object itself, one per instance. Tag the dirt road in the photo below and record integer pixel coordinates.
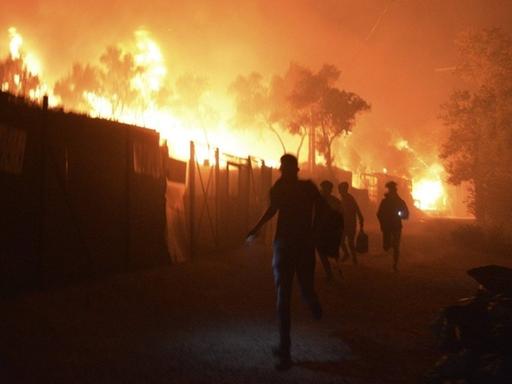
(212, 321)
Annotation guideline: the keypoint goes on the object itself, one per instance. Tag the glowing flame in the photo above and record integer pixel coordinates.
(177, 130)
(15, 43)
(402, 144)
(149, 57)
(23, 72)
(428, 191)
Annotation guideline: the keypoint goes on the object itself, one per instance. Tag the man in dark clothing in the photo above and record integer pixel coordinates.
(392, 210)
(295, 200)
(328, 228)
(351, 213)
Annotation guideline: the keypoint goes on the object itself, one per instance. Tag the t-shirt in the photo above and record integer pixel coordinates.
(295, 201)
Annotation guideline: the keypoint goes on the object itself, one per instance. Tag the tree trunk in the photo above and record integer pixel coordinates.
(300, 144)
(312, 149)
(277, 135)
(328, 158)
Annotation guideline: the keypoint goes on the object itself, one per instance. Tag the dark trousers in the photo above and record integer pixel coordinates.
(288, 260)
(324, 259)
(349, 238)
(391, 239)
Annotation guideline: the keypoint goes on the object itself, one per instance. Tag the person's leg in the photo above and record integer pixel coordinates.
(346, 254)
(284, 269)
(326, 264)
(386, 240)
(351, 237)
(397, 234)
(306, 279)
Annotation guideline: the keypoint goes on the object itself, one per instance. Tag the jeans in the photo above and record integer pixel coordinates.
(349, 238)
(391, 239)
(290, 259)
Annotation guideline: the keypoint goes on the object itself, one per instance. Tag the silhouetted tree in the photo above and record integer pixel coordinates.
(117, 74)
(255, 104)
(336, 115)
(117, 78)
(81, 79)
(299, 101)
(479, 115)
(16, 78)
(322, 107)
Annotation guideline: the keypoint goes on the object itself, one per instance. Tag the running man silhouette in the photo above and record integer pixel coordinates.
(392, 210)
(351, 213)
(294, 200)
(328, 228)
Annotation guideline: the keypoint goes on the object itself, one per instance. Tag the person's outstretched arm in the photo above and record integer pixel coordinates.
(269, 213)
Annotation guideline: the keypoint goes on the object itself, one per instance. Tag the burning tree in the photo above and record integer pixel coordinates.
(16, 74)
(479, 116)
(122, 84)
(111, 81)
(73, 87)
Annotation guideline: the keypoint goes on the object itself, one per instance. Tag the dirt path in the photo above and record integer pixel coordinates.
(212, 321)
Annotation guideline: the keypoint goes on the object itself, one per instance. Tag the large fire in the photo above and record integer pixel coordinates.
(207, 120)
(428, 190)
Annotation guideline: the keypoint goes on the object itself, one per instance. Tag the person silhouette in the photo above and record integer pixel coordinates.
(392, 210)
(328, 228)
(351, 213)
(295, 202)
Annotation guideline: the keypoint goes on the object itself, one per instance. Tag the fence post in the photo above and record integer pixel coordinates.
(128, 170)
(217, 196)
(43, 148)
(247, 188)
(192, 197)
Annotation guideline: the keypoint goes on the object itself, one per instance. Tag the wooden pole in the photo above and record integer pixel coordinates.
(192, 198)
(217, 196)
(247, 192)
(128, 171)
(43, 140)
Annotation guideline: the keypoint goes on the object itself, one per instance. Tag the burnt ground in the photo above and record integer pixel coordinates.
(212, 320)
